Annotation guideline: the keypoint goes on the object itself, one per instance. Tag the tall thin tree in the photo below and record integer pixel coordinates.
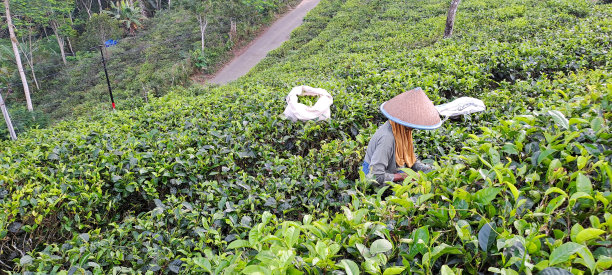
(202, 10)
(28, 48)
(450, 18)
(14, 42)
(7, 119)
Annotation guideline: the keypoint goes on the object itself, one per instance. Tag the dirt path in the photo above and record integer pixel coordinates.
(269, 40)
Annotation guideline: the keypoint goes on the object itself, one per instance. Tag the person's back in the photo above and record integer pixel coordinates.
(380, 155)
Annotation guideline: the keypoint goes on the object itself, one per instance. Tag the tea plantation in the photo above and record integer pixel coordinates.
(214, 180)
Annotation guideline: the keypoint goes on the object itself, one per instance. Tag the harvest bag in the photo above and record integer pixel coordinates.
(298, 111)
(461, 106)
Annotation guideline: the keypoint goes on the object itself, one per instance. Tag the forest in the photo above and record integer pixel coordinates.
(159, 44)
(207, 179)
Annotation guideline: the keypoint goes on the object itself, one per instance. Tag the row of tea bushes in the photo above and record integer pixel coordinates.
(214, 179)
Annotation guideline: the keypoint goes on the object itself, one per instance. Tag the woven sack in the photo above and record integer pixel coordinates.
(461, 106)
(298, 111)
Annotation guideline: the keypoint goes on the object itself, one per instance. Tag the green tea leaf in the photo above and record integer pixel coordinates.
(588, 234)
(350, 267)
(581, 162)
(238, 244)
(556, 190)
(604, 262)
(580, 195)
(440, 250)
(321, 249)
(203, 263)
(423, 198)
(510, 149)
(554, 204)
(420, 239)
(446, 270)
(583, 184)
(380, 246)
(266, 217)
(576, 120)
(486, 237)
(486, 195)
(597, 124)
(513, 190)
(394, 270)
(595, 222)
(256, 270)
(574, 231)
(587, 258)
(544, 154)
(562, 253)
(559, 119)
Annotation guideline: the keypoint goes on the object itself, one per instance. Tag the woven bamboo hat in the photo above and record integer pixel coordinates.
(412, 109)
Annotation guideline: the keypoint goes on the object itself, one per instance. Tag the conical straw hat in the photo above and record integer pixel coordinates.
(412, 109)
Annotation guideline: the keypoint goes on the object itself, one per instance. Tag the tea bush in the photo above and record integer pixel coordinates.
(214, 180)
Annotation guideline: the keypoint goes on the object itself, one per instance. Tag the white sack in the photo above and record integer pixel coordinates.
(298, 111)
(461, 106)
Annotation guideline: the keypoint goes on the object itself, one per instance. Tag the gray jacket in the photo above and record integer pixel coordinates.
(381, 154)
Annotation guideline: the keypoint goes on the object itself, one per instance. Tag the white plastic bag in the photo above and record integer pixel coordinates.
(298, 111)
(461, 106)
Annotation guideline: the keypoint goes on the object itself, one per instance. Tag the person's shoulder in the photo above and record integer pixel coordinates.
(385, 133)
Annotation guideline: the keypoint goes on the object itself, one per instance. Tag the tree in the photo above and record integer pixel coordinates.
(202, 9)
(14, 43)
(24, 20)
(127, 14)
(58, 11)
(100, 28)
(450, 18)
(87, 5)
(28, 48)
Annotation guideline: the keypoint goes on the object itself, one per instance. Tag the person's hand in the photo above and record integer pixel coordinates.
(400, 176)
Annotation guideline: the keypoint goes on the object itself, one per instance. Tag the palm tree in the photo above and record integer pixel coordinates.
(128, 14)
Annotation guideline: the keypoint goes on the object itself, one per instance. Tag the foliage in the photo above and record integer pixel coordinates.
(159, 55)
(98, 29)
(23, 120)
(128, 14)
(212, 180)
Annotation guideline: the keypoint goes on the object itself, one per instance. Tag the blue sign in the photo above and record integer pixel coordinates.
(110, 42)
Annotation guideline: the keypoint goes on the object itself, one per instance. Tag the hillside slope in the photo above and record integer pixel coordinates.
(162, 53)
(214, 179)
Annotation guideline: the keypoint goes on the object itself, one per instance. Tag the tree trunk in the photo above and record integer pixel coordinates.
(87, 6)
(60, 41)
(31, 64)
(30, 56)
(203, 24)
(7, 118)
(70, 46)
(450, 18)
(100, 6)
(233, 31)
(14, 42)
(169, 4)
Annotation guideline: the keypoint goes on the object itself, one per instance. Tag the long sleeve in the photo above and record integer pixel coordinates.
(382, 156)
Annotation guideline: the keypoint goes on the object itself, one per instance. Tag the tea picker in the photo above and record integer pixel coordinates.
(391, 147)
